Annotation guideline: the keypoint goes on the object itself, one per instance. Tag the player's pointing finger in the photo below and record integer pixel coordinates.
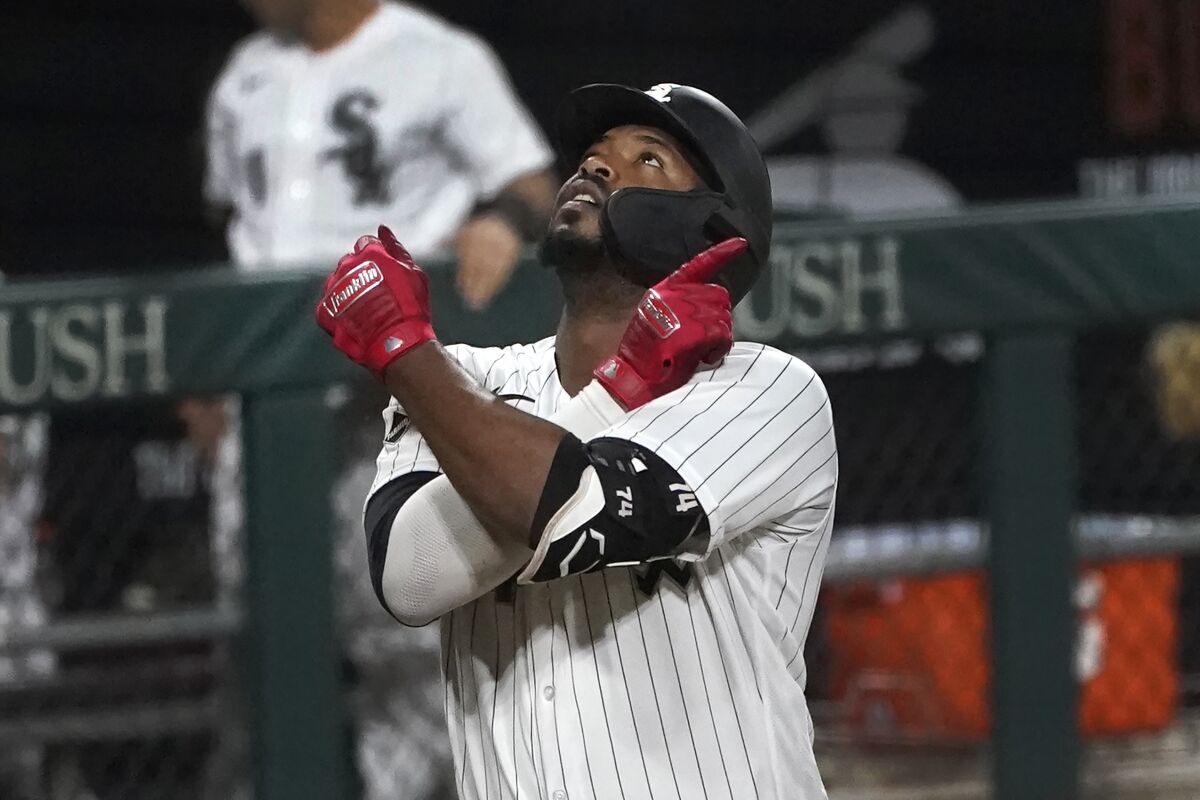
(703, 267)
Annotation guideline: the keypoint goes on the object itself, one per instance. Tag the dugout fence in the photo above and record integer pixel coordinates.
(1009, 592)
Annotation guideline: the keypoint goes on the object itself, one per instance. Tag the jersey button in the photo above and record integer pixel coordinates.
(548, 693)
(559, 794)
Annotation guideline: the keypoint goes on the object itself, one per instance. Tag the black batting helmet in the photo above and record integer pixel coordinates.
(660, 229)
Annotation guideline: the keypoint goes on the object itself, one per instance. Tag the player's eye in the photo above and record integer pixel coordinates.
(651, 159)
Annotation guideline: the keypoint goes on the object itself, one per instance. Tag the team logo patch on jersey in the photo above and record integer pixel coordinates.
(398, 428)
(649, 575)
(360, 152)
(658, 314)
(352, 287)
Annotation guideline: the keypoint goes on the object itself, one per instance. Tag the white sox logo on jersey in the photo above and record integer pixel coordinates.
(351, 116)
(352, 287)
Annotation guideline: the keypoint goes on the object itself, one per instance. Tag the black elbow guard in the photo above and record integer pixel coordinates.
(611, 502)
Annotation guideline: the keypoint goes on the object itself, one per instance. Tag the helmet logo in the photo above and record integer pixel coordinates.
(662, 91)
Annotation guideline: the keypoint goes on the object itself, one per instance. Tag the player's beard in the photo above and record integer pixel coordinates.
(569, 252)
(573, 254)
(593, 282)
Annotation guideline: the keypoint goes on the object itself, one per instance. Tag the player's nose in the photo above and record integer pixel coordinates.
(596, 166)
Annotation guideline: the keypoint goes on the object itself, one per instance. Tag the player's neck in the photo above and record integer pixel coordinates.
(582, 345)
(598, 302)
(332, 22)
(596, 311)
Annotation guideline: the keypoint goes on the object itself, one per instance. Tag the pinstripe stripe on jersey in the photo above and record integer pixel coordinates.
(649, 673)
(624, 679)
(600, 689)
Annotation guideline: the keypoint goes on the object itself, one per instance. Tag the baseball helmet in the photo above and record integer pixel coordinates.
(661, 229)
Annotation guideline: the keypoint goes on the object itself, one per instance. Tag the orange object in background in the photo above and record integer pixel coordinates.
(909, 658)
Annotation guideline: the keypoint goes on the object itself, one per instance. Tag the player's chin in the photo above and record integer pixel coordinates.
(571, 246)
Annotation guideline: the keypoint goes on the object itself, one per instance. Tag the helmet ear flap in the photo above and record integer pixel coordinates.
(658, 229)
(739, 275)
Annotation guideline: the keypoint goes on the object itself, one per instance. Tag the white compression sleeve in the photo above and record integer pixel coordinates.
(439, 556)
(589, 412)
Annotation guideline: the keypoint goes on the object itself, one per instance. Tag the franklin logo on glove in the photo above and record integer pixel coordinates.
(375, 304)
(352, 287)
(658, 314)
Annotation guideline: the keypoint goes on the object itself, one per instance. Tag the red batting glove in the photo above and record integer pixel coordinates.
(681, 322)
(375, 305)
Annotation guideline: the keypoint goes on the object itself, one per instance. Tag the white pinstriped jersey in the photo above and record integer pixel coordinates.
(636, 682)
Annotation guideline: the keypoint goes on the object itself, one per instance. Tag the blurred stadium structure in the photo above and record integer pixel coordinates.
(132, 666)
(900, 656)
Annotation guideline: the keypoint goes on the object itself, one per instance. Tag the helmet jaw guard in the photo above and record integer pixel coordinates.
(659, 230)
(651, 227)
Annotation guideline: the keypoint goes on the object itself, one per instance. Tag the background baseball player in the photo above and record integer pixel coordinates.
(337, 115)
(622, 528)
(343, 113)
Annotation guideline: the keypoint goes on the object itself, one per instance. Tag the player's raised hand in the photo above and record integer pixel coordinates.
(680, 323)
(375, 304)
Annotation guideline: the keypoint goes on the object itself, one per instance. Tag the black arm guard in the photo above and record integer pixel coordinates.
(649, 512)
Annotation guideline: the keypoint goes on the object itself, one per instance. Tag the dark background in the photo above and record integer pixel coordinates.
(103, 153)
(102, 103)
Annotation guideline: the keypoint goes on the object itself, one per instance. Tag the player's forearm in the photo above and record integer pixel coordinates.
(496, 456)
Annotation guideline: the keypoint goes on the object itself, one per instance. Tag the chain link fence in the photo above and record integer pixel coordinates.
(117, 652)
(121, 568)
(1140, 631)
(899, 658)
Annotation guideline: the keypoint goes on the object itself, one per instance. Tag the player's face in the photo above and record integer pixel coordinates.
(625, 157)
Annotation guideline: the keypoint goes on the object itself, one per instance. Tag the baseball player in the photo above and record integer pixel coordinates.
(342, 113)
(621, 528)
